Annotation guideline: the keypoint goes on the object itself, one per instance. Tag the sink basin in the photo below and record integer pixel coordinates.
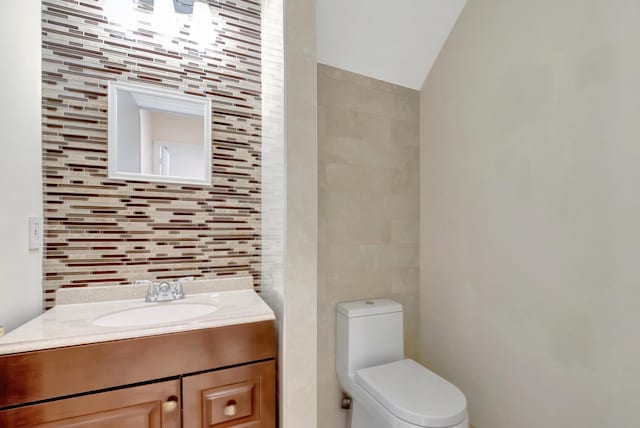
(153, 314)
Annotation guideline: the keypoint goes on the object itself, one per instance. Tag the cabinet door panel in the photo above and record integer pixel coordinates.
(242, 397)
(148, 406)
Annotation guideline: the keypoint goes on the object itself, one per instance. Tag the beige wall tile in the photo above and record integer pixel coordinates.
(403, 280)
(340, 177)
(375, 258)
(357, 231)
(376, 205)
(342, 150)
(405, 132)
(348, 123)
(404, 228)
(376, 180)
(373, 230)
(339, 258)
(326, 71)
(405, 107)
(367, 210)
(404, 255)
(341, 205)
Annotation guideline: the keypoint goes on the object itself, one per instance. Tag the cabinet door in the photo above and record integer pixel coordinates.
(155, 405)
(242, 397)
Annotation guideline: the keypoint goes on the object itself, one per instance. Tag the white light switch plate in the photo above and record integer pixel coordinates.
(35, 233)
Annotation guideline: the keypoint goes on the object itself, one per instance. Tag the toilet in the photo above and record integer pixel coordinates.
(387, 390)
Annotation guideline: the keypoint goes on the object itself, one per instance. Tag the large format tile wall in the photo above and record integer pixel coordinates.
(368, 210)
(107, 231)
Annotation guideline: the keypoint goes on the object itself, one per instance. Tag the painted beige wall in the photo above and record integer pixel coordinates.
(20, 163)
(368, 138)
(530, 213)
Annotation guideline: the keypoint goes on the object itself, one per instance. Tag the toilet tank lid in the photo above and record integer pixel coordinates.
(364, 308)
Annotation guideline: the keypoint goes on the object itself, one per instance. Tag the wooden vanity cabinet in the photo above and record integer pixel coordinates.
(148, 406)
(216, 378)
(236, 397)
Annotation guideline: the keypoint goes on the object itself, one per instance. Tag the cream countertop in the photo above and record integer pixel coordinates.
(71, 324)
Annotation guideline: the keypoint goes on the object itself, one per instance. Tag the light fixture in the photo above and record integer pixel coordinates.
(201, 26)
(120, 12)
(164, 18)
(168, 16)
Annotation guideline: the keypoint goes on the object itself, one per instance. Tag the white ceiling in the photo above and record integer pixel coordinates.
(393, 40)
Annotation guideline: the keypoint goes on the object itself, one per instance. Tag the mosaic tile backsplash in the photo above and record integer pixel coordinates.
(107, 231)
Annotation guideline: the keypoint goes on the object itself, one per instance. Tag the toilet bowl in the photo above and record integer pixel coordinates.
(387, 390)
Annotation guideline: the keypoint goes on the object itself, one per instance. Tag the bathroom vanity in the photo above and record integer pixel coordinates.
(212, 370)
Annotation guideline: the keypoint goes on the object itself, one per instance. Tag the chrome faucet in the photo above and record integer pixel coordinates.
(165, 290)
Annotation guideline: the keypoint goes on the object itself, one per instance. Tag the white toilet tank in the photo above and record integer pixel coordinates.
(368, 333)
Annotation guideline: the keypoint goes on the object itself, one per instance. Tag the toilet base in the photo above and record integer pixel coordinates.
(361, 418)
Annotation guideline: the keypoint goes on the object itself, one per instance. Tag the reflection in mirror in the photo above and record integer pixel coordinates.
(157, 135)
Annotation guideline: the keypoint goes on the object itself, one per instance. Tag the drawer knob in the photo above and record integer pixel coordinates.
(231, 409)
(171, 404)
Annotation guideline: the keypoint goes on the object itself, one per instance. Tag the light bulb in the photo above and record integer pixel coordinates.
(119, 12)
(165, 20)
(201, 26)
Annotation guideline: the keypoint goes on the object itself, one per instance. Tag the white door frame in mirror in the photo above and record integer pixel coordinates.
(198, 107)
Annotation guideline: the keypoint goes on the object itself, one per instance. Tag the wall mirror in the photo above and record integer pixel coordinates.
(158, 135)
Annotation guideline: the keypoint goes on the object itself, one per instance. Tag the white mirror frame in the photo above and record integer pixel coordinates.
(113, 134)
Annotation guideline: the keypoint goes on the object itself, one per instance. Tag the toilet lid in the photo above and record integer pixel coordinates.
(414, 394)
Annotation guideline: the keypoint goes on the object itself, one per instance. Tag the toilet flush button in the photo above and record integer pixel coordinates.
(369, 302)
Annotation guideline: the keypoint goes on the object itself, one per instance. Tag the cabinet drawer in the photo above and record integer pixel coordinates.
(149, 406)
(237, 397)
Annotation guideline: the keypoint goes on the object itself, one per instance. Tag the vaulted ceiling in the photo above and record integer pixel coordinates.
(393, 40)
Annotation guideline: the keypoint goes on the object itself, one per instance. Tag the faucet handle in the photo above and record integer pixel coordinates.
(152, 290)
(178, 292)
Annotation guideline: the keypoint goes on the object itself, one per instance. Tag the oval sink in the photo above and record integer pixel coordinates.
(154, 314)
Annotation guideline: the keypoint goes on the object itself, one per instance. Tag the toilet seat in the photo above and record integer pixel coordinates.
(414, 394)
